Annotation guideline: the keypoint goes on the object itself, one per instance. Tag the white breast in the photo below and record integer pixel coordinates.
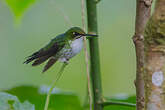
(77, 45)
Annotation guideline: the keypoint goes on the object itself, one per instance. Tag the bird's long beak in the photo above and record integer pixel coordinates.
(89, 35)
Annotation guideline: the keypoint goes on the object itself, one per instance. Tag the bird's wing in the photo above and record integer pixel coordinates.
(46, 52)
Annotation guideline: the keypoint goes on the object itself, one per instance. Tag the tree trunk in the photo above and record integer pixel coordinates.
(155, 59)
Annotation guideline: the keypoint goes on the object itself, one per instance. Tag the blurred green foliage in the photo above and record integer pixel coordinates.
(10, 102)
(18, 7)
(60, 101)
(41, 22)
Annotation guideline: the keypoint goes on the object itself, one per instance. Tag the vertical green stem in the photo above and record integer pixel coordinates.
(94, 54)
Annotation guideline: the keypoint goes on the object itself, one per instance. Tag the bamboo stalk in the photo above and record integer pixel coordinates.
(94, 54)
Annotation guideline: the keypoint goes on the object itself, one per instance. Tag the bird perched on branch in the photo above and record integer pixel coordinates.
(63, 48)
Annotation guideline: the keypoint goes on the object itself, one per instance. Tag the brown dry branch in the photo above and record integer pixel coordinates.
(143, 9)
(86, 55)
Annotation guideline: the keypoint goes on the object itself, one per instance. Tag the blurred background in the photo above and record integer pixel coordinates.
(43, 20)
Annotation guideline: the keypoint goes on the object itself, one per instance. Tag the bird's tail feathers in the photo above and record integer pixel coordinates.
(49, 64)
(40, 60)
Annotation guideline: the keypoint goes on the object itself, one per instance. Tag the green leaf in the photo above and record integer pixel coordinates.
(121, 98)
(59, 100)
(18, 7)
(10, 102)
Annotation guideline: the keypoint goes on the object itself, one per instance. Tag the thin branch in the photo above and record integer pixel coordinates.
(53, 85)
(143, 9)
(86, 54)
(107, 103)
(60, 9)
(66, 17)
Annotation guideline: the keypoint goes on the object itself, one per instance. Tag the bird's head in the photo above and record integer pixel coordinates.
(76, 32)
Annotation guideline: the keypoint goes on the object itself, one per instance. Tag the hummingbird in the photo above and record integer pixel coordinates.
(63, 47)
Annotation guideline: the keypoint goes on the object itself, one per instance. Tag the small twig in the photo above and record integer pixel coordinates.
(86, 54)
(107, 103)
(53, 85)
(62, 12)
(86, 101)
(66, 18)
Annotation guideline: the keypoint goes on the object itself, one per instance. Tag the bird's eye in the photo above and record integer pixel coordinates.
(75, 33)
